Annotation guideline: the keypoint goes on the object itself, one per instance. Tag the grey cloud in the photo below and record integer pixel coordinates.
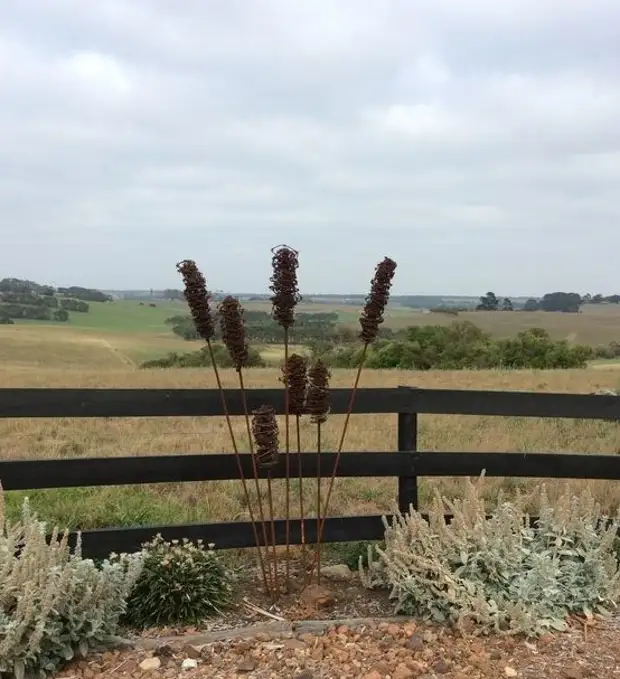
(461, 136)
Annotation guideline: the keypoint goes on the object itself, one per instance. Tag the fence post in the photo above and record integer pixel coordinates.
(407, 443)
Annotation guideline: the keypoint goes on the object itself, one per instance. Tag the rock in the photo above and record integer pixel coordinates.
(263, 636)
(306, 674)
(572, 672)
(192, 651)
(150, 664)
(189, 664)
(247, 665)
(294, 644)
(510, 671)
(402, 672)
(338, 573)
(381, 668)
(393, 630)
(163, 651)
(429, 636)
(317, 597)
(415, 642)
(373, 674)
(442, 667)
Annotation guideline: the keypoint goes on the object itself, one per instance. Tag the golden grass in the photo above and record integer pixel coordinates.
(175, 503)
(595, 325)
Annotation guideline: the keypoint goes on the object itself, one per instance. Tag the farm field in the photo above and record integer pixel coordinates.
(176, 503)
(103, 349)
(595, 325)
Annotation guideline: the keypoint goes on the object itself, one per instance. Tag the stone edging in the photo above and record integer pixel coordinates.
(274, 629)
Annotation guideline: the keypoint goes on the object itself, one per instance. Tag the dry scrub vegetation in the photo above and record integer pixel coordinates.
(175, 503)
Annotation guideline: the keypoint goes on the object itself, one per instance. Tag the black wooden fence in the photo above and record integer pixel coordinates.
(407, 464)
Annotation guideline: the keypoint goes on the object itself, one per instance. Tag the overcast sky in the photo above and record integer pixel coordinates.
(477, 142)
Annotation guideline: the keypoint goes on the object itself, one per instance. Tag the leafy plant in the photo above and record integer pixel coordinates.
(54, 604)
(180, 582)
(500, 572)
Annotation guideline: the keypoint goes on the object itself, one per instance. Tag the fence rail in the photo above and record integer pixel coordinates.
(407, 464)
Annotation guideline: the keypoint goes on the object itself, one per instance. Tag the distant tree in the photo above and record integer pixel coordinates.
(74, 305)
(60, 315)
(531, 305)
(488, 303)
(597, 299)
(613, 299)
(586, 299)
(567, 302)
(507, 304)
(85, 294)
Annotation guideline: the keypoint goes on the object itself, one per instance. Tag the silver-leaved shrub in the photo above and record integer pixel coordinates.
(498, 573)
(54, 605)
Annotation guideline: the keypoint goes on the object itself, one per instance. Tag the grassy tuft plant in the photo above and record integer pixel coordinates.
(180, 582)
(500, 573)
(54, 605)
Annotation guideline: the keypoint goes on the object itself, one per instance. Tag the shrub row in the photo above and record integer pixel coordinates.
(461, 345)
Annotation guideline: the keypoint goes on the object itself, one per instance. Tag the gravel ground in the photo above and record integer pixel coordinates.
(380, 650)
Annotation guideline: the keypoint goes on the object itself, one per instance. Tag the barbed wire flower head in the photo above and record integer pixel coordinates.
(198, 298)
(266, 436)
(376, 301)
(294, 375)
(317, 398)
(284, 285)
(230, 313)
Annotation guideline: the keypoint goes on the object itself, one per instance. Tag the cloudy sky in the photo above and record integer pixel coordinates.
(476, 142)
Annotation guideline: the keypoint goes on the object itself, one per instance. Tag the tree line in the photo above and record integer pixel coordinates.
(23, 299)
(262, 329)
(566, 302)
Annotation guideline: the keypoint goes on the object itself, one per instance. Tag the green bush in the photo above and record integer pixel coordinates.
(201, 359)
(461, 345)
(54, 604)
(179, 583)
(500, 572)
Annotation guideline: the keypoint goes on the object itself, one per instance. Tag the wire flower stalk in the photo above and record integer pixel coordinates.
(284, 300)
(317, 406)
(230, 314)
(370, 321)
(295, 377)
(199, 301)
(266, 454)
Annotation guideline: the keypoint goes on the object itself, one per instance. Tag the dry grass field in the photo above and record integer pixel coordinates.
(174, 503)
(33, 355)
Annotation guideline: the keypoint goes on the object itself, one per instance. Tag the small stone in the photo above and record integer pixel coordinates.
(294, 644)
(495, 655)
(150, 664)
(393, 630)
(317, 597)
(415, 642)
(263, 636)
(164, 651)
(402, 672)
(189, 664)
(442, 667)
(510, 671)
(306, 674)
(428, 636)
(381, 668)
(373, 674)
(192, 651)
(572, 672)
(247, 665)
(337, 573)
